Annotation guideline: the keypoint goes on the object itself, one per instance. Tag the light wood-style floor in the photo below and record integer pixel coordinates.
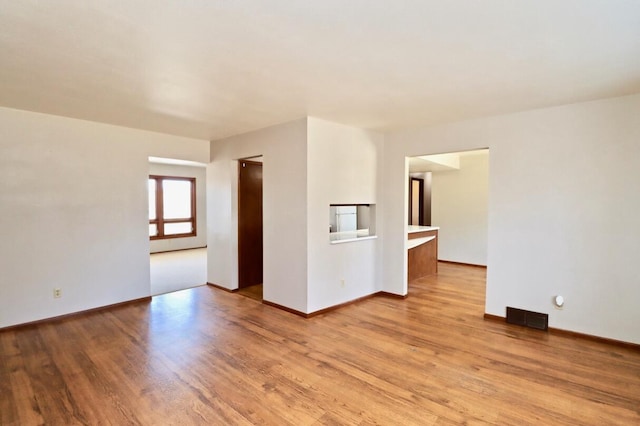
(206, 356)
(254, 292)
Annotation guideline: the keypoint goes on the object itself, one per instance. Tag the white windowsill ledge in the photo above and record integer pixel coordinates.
(352, 239)
(418, 242)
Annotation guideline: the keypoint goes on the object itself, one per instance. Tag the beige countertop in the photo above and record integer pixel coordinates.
(416, 228)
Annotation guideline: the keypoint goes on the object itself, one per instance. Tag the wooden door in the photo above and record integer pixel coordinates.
(416, 201)
(249, 223)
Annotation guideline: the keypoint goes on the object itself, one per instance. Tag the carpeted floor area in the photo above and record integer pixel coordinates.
(178, 270)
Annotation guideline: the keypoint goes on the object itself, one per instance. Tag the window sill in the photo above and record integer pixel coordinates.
(350, 238)
(169, 237)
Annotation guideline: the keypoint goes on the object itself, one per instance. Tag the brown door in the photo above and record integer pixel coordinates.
(249, 223)
(416, 201)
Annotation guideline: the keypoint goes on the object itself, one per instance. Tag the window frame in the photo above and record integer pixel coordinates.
(160, 221)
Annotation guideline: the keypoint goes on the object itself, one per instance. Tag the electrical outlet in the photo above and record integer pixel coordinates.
(57, 293)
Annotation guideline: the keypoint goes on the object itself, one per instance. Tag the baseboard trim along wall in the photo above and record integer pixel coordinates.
(333, 308)
(391, 295)
(223, 288)
(284, 308)
(561, 332)
(77, 314)
(321, 311)
(462, 263)
(341, 305)
(174, 250)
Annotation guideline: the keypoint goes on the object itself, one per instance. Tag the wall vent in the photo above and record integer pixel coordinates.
(527, 318)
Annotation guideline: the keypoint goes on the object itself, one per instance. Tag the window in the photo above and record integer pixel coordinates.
(172, 207)
(350, 222)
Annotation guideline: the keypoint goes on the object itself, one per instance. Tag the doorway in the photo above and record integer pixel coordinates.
(250, 240)
(450, 191)
(177, 224)
(419, 199)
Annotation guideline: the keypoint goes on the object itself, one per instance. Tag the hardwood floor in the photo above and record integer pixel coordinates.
(206, 356)
(254, 292)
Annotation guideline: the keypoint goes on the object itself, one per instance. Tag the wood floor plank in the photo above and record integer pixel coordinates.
(205, 356)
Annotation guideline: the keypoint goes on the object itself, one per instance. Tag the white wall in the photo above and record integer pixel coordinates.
(284, 211)
(308, 165)
(564, 187)
(343, 167)
(200, 174)
(73, 212)
(459, 207)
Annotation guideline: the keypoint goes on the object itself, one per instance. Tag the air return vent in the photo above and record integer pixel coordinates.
(527, 318)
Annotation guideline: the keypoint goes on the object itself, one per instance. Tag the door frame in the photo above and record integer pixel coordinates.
(420, 200)
(249, 160)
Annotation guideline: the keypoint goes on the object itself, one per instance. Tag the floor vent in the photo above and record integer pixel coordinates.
(527, 318)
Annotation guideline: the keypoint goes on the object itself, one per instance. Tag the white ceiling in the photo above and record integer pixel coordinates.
(211, 69)
(175, 162)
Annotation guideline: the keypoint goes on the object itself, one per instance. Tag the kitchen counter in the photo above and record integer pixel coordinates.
(416, 228)
(422, 251)
(415, 242)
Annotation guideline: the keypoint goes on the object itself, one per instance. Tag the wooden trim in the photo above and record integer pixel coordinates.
(284, 308)
(194, 211)
(391, 295)
(249, 161)
(171, 251)
(160, 221)
(491, 317)
(333, 308)
(614, 342)
(77, 314)
(219, 287)
(168, 237)
(341, 305)
(179, 220)
(420, 200)
(463, 264)
(578, 335)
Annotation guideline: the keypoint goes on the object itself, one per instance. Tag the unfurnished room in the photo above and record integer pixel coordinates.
(319, 213)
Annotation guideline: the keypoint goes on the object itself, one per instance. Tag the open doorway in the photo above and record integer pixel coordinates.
(420, 198)
(250, 229)
(449, 193)
(177, 225)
